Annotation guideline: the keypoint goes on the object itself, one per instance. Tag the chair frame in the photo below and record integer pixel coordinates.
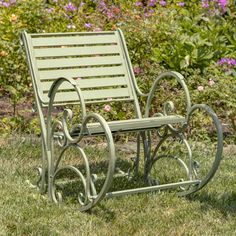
(142, 124)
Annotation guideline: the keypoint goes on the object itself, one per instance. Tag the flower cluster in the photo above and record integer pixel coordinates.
(217, 4)
(111, 12)
(152, 3)
(230, 62)
(70, 7)
(7, 3)
(201, 88)
(223, 4)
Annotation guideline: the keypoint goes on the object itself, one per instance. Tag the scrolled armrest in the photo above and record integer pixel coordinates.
(67, 114)
(54, 88)
(168, 74)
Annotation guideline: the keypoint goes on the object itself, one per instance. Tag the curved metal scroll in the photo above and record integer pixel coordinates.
(219, 147)
(90, 196)
(169, 106)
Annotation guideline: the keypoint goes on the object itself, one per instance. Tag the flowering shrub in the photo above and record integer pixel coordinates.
(197, 39)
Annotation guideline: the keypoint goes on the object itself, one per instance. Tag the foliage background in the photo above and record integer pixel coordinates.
(190, 37)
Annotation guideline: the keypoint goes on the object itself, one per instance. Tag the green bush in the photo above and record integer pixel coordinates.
(190, 39)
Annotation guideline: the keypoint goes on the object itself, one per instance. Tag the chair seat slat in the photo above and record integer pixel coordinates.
(135, 124)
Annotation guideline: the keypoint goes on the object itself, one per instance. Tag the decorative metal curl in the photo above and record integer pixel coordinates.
(155, 157)
(219, 148)
(67, 114)
(180, 80)
(90, 197)
(111, 161)
(169, 105)
(168, 108)
(85, 179)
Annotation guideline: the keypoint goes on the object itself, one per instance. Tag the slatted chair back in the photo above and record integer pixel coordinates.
(97, 60)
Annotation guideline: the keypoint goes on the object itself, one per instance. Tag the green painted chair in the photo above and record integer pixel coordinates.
(87, 68)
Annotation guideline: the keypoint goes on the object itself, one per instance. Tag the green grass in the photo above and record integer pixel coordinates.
(23, 211)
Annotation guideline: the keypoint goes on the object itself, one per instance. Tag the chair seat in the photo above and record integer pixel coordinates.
(131, 125)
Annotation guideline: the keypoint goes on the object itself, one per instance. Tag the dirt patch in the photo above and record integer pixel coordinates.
(23, 108)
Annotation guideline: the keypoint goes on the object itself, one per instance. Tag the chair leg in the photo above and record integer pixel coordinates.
(146, 138)
(43, 184)
(137, 158)
(40, 183)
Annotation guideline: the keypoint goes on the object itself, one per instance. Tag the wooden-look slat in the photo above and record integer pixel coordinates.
(82, 72)
(76, 51)
(136, 124)
(90, 95)
(73, 40)
(82, 61)
(89, 83)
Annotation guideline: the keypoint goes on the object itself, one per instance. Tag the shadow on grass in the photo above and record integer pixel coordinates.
(225, 202)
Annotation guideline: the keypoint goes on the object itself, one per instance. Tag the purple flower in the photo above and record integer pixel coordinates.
(181, 4)
(138, 4)
(12, 1)
(205, 3)
(227, 61)
(149, 13)
(222, 4)
(82, 4)
(88, 25)
(110, 14)
(6, 4)
(152, 3)
(70, 7)
(162, 3)
(102, 6)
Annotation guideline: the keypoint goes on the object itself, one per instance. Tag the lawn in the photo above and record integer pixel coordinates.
(23, 211)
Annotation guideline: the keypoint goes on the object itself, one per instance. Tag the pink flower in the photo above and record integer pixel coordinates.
(50, 10)
(107, 108)
(200, 88)
(98, 29)
(71, 26)
(211, 82)
(137, 70)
